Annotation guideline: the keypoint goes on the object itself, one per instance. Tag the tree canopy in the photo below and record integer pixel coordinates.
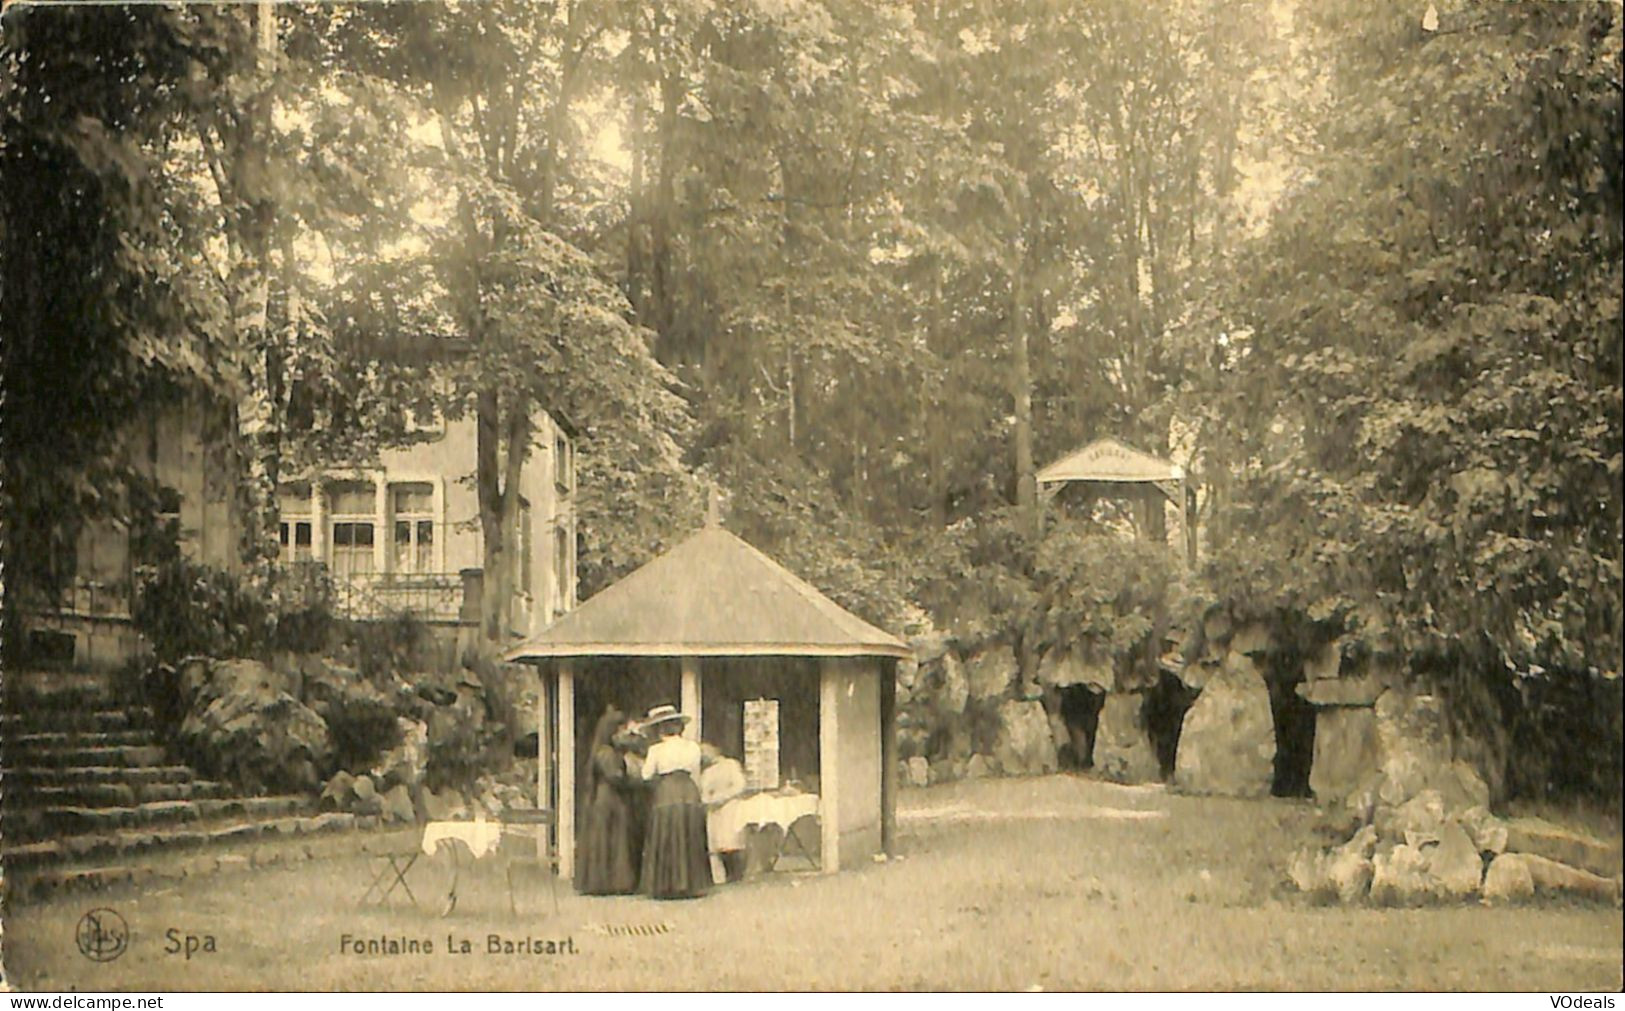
(864, 267)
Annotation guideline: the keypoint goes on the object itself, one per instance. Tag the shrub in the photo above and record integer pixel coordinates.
(187, 609)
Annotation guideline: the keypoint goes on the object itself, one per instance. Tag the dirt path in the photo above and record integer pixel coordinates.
(1053, 883)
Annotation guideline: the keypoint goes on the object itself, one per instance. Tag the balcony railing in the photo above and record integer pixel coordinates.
(430, 595)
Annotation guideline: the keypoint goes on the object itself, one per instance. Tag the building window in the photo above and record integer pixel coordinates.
(424, 420)
(294, 535)
(413, 508)
(562, 464)
(354, 512)
(561, 568)
(522, 544)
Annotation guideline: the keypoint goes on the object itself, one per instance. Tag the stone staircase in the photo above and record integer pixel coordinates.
(88, 790)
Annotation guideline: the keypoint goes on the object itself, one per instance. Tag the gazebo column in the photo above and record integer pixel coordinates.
(567, 770)
(690, 696)
(829, 764)
(888, 756)
(544, 765)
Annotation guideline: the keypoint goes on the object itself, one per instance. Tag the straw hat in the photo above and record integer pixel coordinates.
(664, 714)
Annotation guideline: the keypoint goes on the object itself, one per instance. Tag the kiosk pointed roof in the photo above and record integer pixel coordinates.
(711, 595)
(1110, 460)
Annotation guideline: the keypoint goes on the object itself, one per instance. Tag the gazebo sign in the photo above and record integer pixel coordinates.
(762, 744)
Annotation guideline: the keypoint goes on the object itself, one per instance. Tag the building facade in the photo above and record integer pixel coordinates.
(400, 537)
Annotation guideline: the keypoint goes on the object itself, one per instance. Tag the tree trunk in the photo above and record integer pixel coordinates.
(1021, 389)
(487, 452)
(248, 285)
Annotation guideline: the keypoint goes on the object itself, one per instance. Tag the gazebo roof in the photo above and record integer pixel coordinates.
(711, 595)
(1110, 460)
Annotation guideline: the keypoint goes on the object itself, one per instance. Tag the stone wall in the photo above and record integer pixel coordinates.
(968, 713)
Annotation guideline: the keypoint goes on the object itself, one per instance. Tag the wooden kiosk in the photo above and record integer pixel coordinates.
(710, 625)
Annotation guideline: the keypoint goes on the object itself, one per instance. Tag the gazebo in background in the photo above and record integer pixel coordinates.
(716, 624)
(1107, 466)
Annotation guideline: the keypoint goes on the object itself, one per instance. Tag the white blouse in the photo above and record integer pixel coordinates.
(672, 754)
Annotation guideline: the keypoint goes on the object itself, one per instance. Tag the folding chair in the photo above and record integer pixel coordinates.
(806, 837)
(389, 874)
(531, 823)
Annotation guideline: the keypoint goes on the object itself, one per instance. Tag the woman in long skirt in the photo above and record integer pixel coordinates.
(608, 863)
(676, 861)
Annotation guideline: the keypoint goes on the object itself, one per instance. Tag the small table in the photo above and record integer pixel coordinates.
(784, 813)
(482, 838)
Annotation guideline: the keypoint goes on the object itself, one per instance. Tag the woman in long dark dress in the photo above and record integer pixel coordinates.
(608, 863)
(676, 861)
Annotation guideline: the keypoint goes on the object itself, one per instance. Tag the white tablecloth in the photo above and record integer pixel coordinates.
(771, 810)
(481, 837)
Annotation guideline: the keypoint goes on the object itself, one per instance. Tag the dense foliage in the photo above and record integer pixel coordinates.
(863, 268)
(1423, 397)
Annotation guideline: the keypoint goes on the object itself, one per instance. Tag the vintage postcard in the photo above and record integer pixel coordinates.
(811, 495)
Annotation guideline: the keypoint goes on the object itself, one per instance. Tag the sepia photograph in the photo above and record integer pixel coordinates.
(808, 496)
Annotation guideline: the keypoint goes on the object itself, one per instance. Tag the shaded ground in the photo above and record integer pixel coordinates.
(1059, 883)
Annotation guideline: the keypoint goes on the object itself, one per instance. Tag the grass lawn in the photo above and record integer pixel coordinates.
(1059, 883)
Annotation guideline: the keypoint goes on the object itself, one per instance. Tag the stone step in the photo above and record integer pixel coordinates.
(111, 794)
(1565, 846)
(280, 843)
(123, 844)
(23, 744)
(76, 718)
(60, 688)
(60, 822)
(27, 776)
(126, 756)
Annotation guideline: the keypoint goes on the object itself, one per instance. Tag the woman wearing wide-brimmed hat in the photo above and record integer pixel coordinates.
(676, 861)
(609, 848)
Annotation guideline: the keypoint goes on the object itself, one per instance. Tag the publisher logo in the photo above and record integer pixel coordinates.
(102, 935)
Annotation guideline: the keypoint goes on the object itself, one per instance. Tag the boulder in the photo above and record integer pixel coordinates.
(919, 771)
(408, 760)
(1348, 867)
(1061, 668)
(1344, 871)
(1196, 674)
(947, 770)
(1399, 877)
(397, 805)
(1413, 743)
(1454, 864)
(1462, 787)
(446, 805)
(1123, 751)
(1307, 871)
(1563, 845)
(1418, 821)
(1350, 691)
(337, 793)
(1552, 876)
(977, 767)
(240, 726)
(990, 671)
(1489, 833)
(908, 671)
(1508, 879)
(1024, 745)
(1227, 744)
(1345, 751)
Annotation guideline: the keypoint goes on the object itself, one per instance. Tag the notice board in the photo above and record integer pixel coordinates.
(762, 744)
